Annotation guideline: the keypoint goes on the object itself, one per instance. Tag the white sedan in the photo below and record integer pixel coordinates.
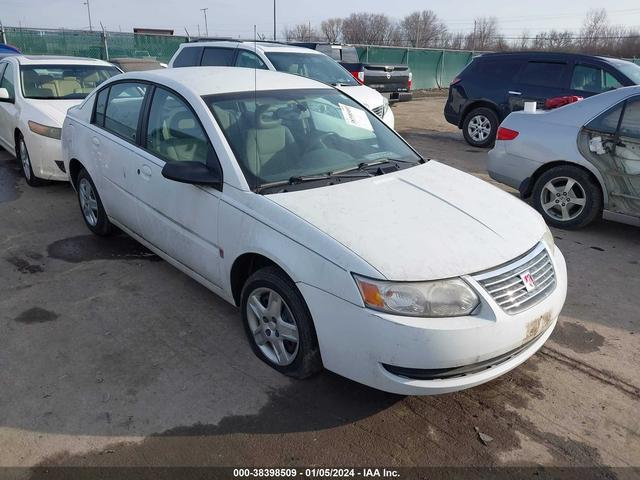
(35, 93)
(343, 248)
(576, 163)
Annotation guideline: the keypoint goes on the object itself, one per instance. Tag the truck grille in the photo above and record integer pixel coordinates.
(507, 286)
(379, 111)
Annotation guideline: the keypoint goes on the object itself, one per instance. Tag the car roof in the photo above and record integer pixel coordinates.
(214, 80)
(549, 55)
(58, 60)
(260, 46)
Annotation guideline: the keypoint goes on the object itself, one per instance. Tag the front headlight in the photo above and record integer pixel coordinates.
(548, 241)
(44, 130)
(440, 298)
(385, 105)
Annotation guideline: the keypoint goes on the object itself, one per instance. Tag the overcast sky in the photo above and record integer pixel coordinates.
(234, 18)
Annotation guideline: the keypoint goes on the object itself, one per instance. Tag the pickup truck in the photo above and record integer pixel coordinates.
(393, 81)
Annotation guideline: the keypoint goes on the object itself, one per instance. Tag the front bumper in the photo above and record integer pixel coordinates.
(357, 342)
(43, 153)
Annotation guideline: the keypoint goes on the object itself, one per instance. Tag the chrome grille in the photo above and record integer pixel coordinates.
(379, 111)
(507, 288)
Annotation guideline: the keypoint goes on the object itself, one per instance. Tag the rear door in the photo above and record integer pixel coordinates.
(537, 81)
(218, 57)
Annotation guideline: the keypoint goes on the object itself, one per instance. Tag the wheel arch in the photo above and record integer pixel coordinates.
(246, 265)
(74, 170)
(526, 188)
(17, 133)
(478, 104)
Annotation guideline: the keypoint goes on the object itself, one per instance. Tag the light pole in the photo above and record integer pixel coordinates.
(89, 12)
(274, 20)
(206, 25)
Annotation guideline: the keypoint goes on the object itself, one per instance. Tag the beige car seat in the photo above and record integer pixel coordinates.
(268, 138)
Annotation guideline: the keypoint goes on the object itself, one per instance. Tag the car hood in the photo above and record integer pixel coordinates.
(55, 110)
(365, 95)
(422, 223)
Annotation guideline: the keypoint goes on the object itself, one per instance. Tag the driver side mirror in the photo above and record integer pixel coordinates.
(195, 173)
(5, 96)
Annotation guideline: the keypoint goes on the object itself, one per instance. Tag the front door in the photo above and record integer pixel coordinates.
(178, 218)
(8, 110)
(611, 142)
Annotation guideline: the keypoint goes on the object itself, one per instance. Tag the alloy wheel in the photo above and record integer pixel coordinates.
(273, 326)
(25, 160)
(88, 202)
(479, 128)
(563, 198)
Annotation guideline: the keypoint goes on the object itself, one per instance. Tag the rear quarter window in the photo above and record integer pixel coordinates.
(188, 57)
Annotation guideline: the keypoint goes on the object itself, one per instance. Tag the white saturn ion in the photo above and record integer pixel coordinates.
(35, 93)
(342, 247)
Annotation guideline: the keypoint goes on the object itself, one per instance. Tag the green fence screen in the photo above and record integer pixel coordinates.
(431, 68)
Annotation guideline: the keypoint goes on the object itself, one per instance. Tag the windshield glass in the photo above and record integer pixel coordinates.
(629, 69)
(312, 65)
(283, 134)
(57, 82)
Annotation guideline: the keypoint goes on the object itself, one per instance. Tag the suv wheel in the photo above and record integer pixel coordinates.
(480, 127)
(278, 324)
(567, 197)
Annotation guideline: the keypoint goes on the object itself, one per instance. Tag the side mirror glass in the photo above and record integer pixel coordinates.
(195, 173)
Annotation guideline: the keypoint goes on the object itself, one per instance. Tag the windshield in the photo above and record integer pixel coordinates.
(58, 82)
(313, 65)
(284, 134)
(629, 69)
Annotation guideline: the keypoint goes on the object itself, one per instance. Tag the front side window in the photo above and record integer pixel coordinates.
(123, 109)
(174, 132)
(101, 106)
(282, 134)
(312, 65)
(542, 74)
(592, 79)
(8, 81)
(217, 57)
(250, 60)
(62, 82)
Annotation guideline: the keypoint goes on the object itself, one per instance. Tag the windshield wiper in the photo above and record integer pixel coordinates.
(298, 179)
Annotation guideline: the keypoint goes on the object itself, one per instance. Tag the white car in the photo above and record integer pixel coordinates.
(576, 163)
(35, 93)
(283, 58)
(342, 247)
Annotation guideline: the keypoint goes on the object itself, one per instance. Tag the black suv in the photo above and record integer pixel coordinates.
(495, 84)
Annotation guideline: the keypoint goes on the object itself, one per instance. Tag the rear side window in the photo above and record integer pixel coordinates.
(101, 106)
(592, 79)
(217, 57)
(504, 69)
(349, 55)
(188, 57)
(607, 122)
(123, 109)
(542, 74)
(630, 126)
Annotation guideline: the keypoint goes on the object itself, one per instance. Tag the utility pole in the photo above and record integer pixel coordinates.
(206, 25)
(274, 20)
(89, 12)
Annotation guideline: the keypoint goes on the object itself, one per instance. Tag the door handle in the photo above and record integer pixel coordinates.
(95, 141)
(145, 172)
(511, 92)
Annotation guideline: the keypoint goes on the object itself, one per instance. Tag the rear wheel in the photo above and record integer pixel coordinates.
(278, 324)
(480, 127)
(567, 197)
(22, 153)
(93, 213)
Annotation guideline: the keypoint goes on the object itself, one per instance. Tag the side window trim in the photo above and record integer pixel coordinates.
(145, 125)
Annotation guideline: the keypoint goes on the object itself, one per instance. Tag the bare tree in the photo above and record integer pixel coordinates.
(484, 35)
(554, 40)
(332, 29)
(594, 28)
(368, 28)
(302, 32)
(423, 29)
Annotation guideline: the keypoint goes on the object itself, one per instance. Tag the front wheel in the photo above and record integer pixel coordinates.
(480, 127)
(278, 324)
(567, 197)
(25, 162)
(93, 213)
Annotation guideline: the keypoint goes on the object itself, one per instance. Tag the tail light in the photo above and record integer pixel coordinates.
(506, 134)
(556, 102)
(454, 81)
(410, 80)
(358, 75)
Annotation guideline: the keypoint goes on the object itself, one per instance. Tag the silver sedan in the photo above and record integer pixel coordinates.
(576, 163)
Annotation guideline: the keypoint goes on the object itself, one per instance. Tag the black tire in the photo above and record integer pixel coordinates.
(25, 164)
(585, 189)
(481, 114)
(307, 360)
(102, 226)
